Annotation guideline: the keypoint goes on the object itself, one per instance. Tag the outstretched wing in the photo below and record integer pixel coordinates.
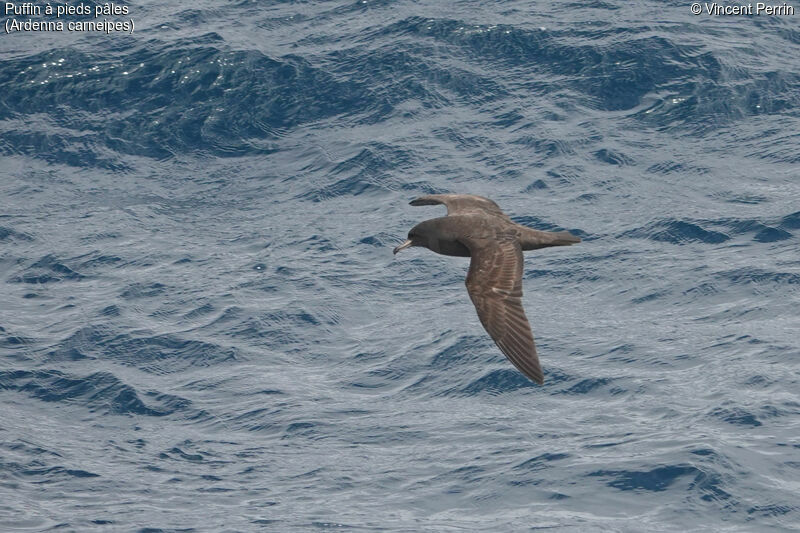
(494, 283)
(462, 204)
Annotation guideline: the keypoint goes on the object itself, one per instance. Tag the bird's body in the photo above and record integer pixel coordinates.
(475, 227)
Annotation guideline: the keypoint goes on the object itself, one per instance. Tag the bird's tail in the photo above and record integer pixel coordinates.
(564, 238)
(532, 239)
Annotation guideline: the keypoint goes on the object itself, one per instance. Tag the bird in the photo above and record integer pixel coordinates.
(477, 228)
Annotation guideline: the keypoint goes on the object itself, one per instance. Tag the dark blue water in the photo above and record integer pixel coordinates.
(202, 327)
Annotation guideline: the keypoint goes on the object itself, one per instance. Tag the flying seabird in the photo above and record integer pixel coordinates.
(476, 227)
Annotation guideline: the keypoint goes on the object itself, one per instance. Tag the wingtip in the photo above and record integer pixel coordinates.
(537, 378)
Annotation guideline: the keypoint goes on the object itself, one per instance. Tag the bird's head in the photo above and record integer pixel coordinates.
(418, 236)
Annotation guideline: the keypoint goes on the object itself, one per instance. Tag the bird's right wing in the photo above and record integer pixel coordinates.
(494, 283)
(462, 204)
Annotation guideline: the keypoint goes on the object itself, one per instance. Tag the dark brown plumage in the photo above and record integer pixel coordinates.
(476, 227)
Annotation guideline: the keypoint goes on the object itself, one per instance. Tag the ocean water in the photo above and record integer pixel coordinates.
(203, 328)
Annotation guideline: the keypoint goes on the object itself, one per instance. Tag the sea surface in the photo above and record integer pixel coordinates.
(203, 328)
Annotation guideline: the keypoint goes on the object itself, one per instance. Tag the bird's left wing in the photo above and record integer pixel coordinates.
(494, 283)
(462, 204)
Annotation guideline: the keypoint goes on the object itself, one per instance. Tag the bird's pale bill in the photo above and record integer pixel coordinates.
(403, 246)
